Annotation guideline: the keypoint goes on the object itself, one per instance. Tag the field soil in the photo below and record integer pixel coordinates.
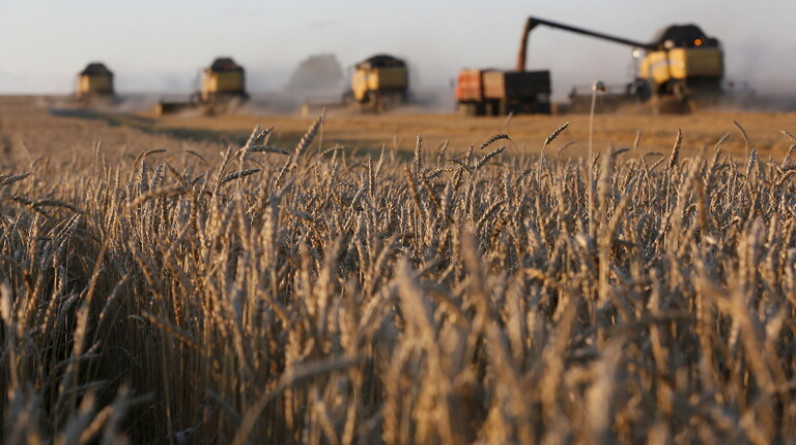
(31, 127)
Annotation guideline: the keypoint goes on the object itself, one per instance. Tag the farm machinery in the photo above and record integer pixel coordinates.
(680, 67)
(95, 85)
(491, 92)
(378, 84)
(222, 88)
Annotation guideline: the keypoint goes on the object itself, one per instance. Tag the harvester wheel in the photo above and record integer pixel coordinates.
(670, 104)
(492, 108)
(678, 90)
(466, 109)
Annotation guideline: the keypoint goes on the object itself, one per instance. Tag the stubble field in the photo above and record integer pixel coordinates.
(185, 280)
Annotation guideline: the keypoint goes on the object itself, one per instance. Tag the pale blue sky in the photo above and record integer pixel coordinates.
(161, 45)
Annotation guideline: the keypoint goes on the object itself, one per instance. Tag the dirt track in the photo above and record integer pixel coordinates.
(30, 129)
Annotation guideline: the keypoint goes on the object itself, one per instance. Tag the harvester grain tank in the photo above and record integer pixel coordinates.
(380, 82)
(94, 82)
(681, 65)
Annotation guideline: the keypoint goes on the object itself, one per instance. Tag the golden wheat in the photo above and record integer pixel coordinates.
(328, 299)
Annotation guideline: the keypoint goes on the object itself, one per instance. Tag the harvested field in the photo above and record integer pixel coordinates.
(657, 133)
(168, 287)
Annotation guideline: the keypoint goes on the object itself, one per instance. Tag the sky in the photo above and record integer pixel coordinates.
(161, 45)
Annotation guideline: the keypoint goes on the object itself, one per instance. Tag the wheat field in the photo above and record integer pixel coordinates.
(307, 294)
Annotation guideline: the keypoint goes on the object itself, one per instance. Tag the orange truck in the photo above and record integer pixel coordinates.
(491, 92)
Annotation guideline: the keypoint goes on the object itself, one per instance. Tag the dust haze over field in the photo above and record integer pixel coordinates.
(756, 72)
(270, 44)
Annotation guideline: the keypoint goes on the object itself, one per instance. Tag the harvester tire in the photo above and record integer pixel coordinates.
(669, 104)
(466, 109)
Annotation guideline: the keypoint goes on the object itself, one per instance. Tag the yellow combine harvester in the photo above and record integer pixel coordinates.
(222, 87)
(683, 62)
(94, 82)
(222, 81)
(682, 66)
(379, 83)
